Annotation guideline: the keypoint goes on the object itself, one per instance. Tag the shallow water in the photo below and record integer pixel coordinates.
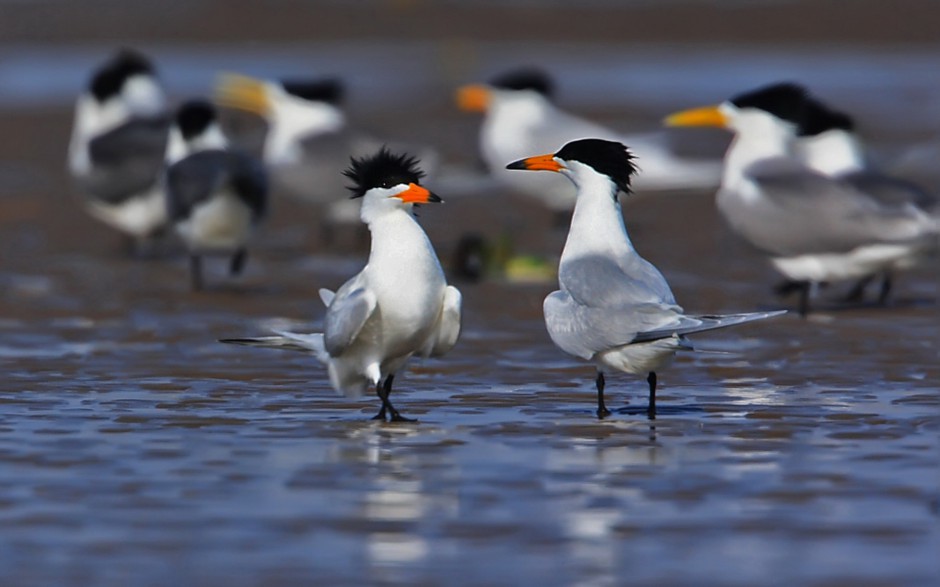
(134, 448)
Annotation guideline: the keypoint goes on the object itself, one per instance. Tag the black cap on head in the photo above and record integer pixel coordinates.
(528, 78)
(784, 100)
(611, 158)
(818, 118)
(328, 90)
(382, 170)
(108, 79)
(194, 117)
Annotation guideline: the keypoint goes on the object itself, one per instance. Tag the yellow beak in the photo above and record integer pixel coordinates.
(243, 93)
(705, 116)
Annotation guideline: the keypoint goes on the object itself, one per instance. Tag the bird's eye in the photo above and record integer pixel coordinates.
(386, 184)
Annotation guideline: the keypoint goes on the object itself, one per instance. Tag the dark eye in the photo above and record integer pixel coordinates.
(386, 184)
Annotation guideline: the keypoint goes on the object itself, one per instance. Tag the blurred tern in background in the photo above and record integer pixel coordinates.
(309, 141)
(398, 306)
(215, 196)
(827, 143)
(118, 143)
(613, 307)
(520, 119)
(815, 228)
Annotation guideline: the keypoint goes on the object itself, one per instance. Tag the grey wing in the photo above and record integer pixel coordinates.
(126, 160)
(193, 180)
(891, 191)
(599, 281)
(447, 330)
(584, 331)
(692, 324)
(249, 180)
(802, 212)
(348, 312)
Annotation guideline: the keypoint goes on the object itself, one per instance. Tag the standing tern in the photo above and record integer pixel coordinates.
(827, 143)
(215, 196)
(118, 144)
(520, 118)
(815, 228)
(613, 307)
(309, 140)
(398, 306)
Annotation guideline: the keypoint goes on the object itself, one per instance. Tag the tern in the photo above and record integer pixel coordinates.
(118, 143)
(814, 227)
(520, 118)
(309, 140)
(398, 306)
(613, 307)
(215, 196)
(828, 144)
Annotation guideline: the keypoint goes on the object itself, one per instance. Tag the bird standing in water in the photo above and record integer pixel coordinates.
(215, 196)
(613, 307)
(398, 306)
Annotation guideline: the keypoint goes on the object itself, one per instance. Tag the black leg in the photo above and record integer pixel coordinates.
(195, 272)
(787, 287)
(384, 392)
(238, 262)
(602, 411)
(804, 298)
(857, 293)
(651, 410)
(379, 391)
(886, 283)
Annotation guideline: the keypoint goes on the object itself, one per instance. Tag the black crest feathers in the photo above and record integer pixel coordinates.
(382, 170)
(611, 158)
(194, 117)
(528, 78)
(108, 79)
(819, 118)
(784, 100)
(329, 90)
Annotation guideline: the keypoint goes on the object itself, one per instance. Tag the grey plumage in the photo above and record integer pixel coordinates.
(196, 178)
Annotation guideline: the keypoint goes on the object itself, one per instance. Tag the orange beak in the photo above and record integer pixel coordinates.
(416, 194)
(705, 116)
(473, 98)
(537, 163)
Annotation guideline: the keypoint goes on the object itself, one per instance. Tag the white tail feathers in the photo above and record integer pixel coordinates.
(288, 341)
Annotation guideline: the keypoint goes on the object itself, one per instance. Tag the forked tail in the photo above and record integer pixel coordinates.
(288, 341)
(693, 324)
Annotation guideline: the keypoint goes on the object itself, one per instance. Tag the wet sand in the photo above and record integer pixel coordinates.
(135, 449)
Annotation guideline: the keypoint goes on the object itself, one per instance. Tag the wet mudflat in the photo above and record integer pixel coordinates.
(134, 449)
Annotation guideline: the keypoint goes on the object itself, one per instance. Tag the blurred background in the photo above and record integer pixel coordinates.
(136, 450)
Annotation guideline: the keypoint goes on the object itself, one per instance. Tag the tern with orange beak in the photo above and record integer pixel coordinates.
(520, 118)
(398, 306)
(816, 228)
(613, 307)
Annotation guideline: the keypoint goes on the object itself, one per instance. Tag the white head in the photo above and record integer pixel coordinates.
(387, 182)
(123, 88)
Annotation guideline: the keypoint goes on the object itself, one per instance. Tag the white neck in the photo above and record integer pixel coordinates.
(292, 119)
(597, 223)
(758, 136)
(834, 152)
(509, 121)
(178, 147)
